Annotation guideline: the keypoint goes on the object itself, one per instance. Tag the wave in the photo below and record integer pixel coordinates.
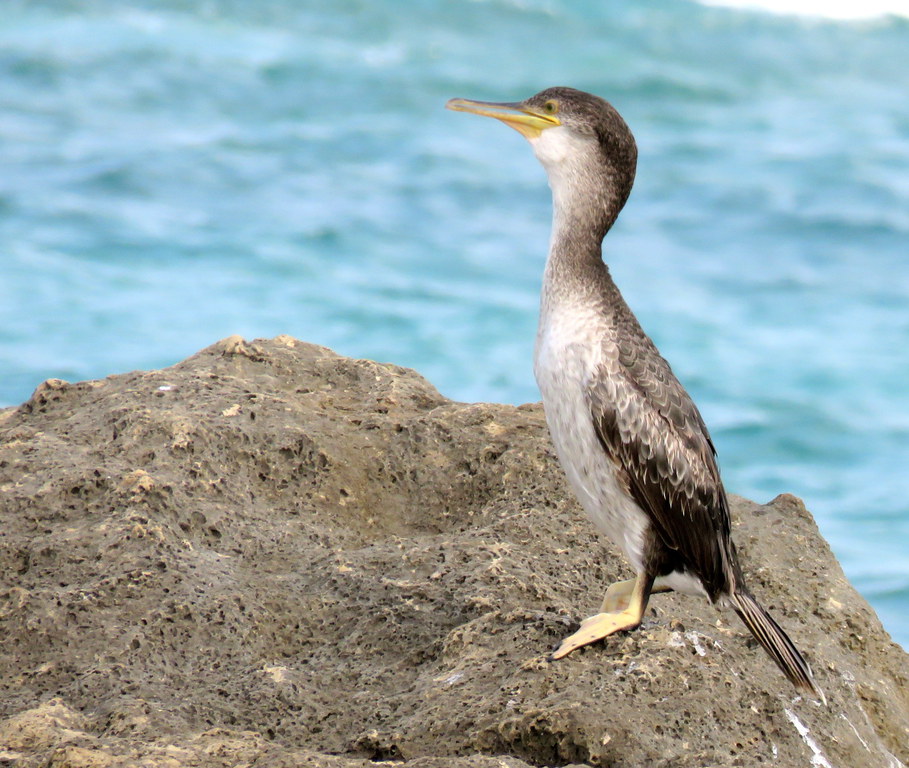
(828, 9)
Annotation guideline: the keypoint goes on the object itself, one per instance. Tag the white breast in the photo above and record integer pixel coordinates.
(568, 351)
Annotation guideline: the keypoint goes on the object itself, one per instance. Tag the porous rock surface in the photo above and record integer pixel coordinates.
(271, 555)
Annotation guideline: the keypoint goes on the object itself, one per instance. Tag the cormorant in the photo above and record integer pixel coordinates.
(631, 441)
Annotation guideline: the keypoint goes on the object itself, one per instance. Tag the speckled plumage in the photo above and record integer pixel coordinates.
(633, 445)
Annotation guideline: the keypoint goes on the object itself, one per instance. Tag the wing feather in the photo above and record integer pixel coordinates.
(653, 431)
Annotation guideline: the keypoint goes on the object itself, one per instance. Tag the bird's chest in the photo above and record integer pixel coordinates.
(567, 355)
(571, 349)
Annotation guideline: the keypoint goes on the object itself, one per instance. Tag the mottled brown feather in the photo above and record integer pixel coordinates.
(652, 430)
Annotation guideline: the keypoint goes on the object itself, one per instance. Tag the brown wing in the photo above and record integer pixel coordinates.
(647, 422)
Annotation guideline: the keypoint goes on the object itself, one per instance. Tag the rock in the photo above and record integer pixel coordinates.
(269, 554)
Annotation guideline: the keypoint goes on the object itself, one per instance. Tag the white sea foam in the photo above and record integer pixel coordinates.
(830, 9)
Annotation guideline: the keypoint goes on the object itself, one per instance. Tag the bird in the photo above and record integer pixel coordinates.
(631, 441)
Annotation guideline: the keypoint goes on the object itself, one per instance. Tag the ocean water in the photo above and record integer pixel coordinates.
(173, 172)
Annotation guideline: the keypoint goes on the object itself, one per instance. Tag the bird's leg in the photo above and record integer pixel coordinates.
(632, 595)
(619, 595)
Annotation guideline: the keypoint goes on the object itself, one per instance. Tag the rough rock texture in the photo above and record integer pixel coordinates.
(272, 555)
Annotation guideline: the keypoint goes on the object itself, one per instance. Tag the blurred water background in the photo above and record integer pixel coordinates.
(176, 171)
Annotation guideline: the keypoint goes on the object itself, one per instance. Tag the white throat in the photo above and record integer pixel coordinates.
(563, 153)
(556, 146)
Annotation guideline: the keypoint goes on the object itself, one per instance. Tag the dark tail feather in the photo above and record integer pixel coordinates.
(776, 642)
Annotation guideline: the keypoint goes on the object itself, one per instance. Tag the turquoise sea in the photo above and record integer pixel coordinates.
(173, 172)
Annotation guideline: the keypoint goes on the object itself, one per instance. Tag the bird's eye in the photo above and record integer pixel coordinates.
(551, 107)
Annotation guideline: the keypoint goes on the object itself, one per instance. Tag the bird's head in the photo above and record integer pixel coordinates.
(578, 137)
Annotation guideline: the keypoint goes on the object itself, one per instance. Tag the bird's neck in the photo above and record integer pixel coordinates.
(585, 206)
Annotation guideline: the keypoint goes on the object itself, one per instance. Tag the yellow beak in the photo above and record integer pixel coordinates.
(528, 122)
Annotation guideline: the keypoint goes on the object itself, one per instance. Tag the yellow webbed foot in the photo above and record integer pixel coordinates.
(618, 596)
(596, 628)
(623, 608)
